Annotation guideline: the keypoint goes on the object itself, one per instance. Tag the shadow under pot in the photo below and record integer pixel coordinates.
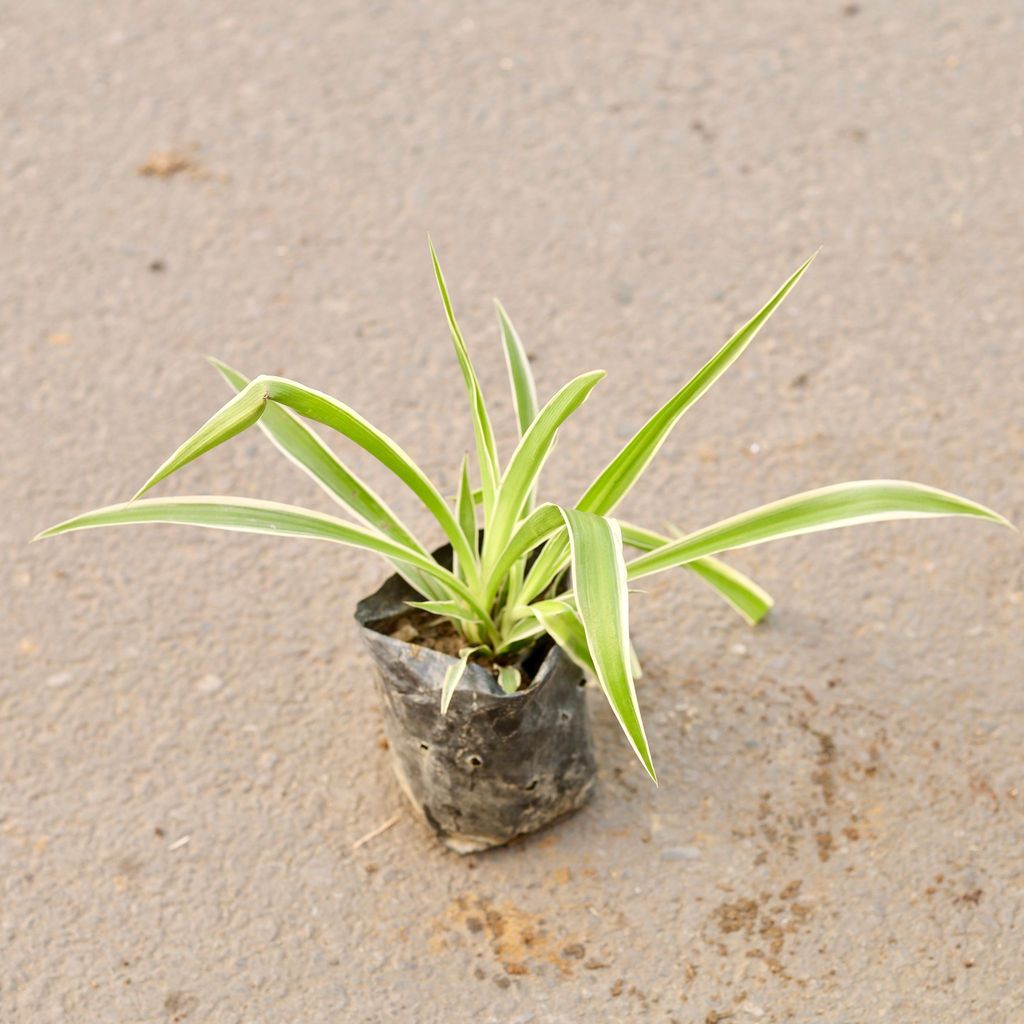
(498, 764)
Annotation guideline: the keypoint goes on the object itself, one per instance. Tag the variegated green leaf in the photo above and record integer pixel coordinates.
(487, 452)
(862, 501)
(509, 678)
(562, 624)
(622, 472)
(465, 512)
(533, 531)
(453, 676)
(303, 446)
(615, 481)
(741, 592)
(599, 585)
(446, 609)
(247, 407)
(527, 461)
(520, 376)
(247, 515)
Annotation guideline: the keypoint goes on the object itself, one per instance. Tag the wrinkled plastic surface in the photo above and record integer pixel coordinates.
(496, 765)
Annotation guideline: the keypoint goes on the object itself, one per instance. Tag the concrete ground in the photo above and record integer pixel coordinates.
(189, 745)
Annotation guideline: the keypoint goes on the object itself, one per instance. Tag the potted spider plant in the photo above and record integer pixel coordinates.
(481, 646)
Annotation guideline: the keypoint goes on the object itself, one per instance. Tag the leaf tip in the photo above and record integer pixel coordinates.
(806, 264)
(1001, 520)
(219, 365)
(984, 512)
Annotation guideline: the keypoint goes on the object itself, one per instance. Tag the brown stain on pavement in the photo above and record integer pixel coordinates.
(764, 922)
(521, 942)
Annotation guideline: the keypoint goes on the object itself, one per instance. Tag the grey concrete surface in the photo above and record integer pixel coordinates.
(189, 746)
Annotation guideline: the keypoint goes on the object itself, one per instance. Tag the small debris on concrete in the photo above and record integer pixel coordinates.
(681, 853)
(168, 163)
(210, 684)
(379, 830)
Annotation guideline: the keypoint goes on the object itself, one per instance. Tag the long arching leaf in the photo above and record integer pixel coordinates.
(614, 482)
(862, 501)
(738, 590)
(248, 515)
(303, 446)
(247, 407)
(616, 479)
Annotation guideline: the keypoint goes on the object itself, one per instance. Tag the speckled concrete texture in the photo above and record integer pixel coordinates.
(189, 744)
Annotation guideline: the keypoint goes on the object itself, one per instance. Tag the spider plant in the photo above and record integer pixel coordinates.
(508, 584)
